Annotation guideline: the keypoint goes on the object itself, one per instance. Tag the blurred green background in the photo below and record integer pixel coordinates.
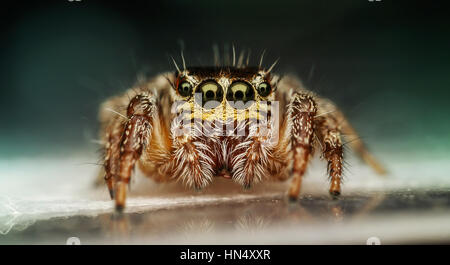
(387, 64)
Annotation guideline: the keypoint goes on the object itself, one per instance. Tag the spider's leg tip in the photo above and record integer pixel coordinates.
(111, 194)
(119, 208)
(292, 198)
(335, 194)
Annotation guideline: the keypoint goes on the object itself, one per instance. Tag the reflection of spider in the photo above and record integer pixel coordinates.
(237, 121)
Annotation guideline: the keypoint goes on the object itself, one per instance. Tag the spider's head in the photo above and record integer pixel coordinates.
(224, 93)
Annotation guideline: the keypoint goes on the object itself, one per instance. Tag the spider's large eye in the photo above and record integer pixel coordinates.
(264, 89)
(240, 95)
(240, 91)
(211, 94)
(185, 89)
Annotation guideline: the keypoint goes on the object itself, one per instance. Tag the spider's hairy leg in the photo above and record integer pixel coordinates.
(113, 135)
(126, 141)
(330, 138)
(302, 110)
(328, 128)
(137, 133)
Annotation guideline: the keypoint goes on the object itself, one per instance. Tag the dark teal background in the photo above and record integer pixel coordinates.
(387, 64)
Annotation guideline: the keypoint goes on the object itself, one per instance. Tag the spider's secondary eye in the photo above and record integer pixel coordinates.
(185, 89)
(264, 89)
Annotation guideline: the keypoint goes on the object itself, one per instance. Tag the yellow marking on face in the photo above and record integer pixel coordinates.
(223, 112)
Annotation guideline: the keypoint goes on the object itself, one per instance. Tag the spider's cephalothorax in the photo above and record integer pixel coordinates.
(242, 123)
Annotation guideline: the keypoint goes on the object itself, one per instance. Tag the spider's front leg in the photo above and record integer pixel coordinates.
(125, 143)
(301, 112)
(329, 134)
(333, 153)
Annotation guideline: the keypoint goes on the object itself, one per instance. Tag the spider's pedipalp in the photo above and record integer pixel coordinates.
(192, 162)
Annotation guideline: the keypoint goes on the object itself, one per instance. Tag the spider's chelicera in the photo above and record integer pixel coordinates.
(240, 122)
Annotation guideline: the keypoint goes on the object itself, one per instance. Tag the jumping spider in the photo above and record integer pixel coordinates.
(237, 121)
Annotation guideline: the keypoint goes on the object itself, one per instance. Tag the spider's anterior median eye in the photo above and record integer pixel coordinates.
(185, 89)
(264, 89)
(211, 94)
(240, 91)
